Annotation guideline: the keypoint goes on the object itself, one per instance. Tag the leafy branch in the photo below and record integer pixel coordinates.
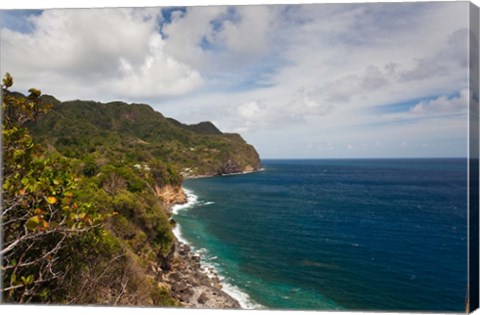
(41, 219)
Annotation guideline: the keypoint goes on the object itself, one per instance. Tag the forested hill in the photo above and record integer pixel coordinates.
(137, 133)
(86, 192)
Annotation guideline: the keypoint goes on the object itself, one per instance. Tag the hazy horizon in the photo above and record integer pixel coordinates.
(373, 80)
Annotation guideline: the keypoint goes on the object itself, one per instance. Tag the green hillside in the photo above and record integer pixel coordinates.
(136, 133)
(86, 191)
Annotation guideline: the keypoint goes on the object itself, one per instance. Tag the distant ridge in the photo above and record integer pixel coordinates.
(117, 130)
(204, 127)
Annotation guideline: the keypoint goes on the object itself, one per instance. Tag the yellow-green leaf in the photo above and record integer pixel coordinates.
(51, 200)
(32, 223)
(27, 280)
(6, 184)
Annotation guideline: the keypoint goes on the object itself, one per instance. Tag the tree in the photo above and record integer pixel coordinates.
(41, 219)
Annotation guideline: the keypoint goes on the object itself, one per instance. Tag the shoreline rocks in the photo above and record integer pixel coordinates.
(192, 285)
(189, 282)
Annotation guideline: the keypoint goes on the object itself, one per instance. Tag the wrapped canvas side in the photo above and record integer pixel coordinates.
(473, 281)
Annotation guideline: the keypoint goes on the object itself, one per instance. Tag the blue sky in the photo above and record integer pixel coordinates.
(305, 81)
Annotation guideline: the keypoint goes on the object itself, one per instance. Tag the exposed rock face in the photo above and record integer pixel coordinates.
(192, 286)
(229, 167)
(249, 168)
(171, 195)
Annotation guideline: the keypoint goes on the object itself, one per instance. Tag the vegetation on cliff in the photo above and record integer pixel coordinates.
(83, 215)
(75, 232)
(136, 134)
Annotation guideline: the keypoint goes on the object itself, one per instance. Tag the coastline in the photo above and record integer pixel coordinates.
(192, 281)
(229, 174)
(194, 286)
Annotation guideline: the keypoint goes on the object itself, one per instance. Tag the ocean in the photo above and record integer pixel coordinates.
(360, 234)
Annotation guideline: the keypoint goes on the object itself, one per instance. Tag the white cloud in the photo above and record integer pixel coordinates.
(219, 38)
(307, 103)
(343, 89)
(274, 73)
(250, 34)
(443, 105)
(115, 52)
(160, 74)
(249, 110)
(185, 33)
(270, 113)
(440, 63)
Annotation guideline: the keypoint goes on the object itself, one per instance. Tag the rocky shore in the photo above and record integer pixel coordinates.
(194, 286)
(189, 282)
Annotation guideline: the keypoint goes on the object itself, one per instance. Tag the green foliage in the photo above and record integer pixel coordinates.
(164, 174)
(82, 220)
(75, 229)
(130, 134)
(7, 81)
(161, 296)
(125, 204)
(89, 166)
(205, 127)
(145, 211)
(41, 219)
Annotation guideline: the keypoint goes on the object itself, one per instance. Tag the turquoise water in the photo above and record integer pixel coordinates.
(336, 234)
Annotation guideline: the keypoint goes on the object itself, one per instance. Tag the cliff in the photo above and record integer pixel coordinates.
(171, 195)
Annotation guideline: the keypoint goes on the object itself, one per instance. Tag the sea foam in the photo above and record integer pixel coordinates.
(206, 263)
(192, 200)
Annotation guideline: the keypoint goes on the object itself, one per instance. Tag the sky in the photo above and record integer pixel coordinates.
(296, 81)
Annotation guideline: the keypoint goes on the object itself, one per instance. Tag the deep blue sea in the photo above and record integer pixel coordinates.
(373, 234)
